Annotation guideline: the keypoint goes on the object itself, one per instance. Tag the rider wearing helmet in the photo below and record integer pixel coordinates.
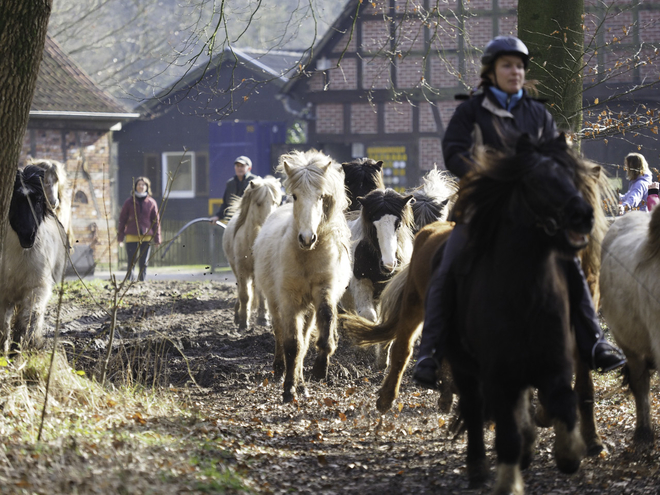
(502, 108)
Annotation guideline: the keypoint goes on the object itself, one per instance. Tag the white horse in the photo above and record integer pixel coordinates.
(302, 265)
(630, 303)
(32, 262)
(56, 187)
(261, 198)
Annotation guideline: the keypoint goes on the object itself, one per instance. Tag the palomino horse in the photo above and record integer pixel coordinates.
(630, 288)
(361, 176)
(382, 241)
(302, 264)
(33, 256)
(249, 213)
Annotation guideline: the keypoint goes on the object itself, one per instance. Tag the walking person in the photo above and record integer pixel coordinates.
(236, 185)
(139, 227)
(502, 108)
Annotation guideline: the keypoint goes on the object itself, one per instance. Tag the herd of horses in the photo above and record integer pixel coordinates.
(343, 250)
(332, 257)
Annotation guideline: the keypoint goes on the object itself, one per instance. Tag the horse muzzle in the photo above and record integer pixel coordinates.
(307, 242)
(388, 268)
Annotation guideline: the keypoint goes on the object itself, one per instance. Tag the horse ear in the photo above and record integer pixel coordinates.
(595, 171)
(379, 164)
(524, 144)
(409, 200)
(287, 168)
(251, 185)
(360, 200)
(326, 167)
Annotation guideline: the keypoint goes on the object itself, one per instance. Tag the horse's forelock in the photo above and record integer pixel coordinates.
(314, 171)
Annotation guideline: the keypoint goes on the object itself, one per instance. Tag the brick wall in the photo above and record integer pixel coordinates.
(426, 118)
(347, 42)
(330, 118)
(444, 71)
(89, 221)
(430, 154)
(409, 72)
(343, 76)
(364, 119)
(376, 73)
(649, 22)
(398, 117)
(375, 36)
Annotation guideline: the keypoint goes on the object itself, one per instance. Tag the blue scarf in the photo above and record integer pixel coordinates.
(505, 99)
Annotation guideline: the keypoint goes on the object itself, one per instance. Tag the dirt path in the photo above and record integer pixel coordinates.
(334, 441)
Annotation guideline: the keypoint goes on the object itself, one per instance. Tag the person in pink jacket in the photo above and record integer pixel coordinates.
(139, 227)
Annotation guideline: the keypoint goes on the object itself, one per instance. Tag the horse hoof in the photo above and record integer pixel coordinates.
(568, 466)
(594, 448)
(384, 404)
(262, 321)
(445, 402)
(242, 326)
(477, 473)
(302, 391)
(320, 370)
(288, 396)
(643, 437)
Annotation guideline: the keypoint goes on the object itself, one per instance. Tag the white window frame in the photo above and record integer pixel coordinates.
(189, 155)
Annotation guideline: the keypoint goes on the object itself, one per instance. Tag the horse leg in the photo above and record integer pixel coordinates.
(508, 407)
(639, 378)
(382, 352)
(446, 388)
(409, 321)
(243, 302)
(561, 404)
(326, 342)
(471, 411)
(6, 314)
(308, 325)
(363, 296)
(527, 428)
(293, 341)
(262, 312)
(584, 388)
(278, 333)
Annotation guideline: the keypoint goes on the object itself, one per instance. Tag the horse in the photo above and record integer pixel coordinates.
(434, 198)
(361, 176)
(248, 214)
(402, 313)
(56, 187)
(32, 262)
(527, 219)
(303, 265)
(630, 295)
(381, 243)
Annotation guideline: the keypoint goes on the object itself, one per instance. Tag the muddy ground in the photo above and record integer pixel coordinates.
(172, 333)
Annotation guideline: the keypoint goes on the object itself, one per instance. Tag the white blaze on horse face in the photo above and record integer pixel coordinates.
(308, 212)
(51, 190)
(388, 241)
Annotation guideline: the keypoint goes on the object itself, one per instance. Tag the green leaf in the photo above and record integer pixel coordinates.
(3, 361)
(80, 372)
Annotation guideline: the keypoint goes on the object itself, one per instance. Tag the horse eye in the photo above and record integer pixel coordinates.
(397, 224)
(295, 198)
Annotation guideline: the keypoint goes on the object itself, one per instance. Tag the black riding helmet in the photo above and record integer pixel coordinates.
(505, 45)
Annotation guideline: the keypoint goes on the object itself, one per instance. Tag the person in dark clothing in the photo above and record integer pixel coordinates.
(139, 227)
(503, 108)
(236, 185)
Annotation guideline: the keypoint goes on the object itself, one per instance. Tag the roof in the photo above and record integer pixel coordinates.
(270, 65)
(64, 90)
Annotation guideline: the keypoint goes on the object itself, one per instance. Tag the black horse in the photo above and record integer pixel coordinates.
(362, 176)
(511, 329)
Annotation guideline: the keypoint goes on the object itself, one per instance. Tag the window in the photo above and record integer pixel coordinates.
(179, 174)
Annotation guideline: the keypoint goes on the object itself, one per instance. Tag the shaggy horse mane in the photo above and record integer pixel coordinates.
(314, 170)
(490, 188)
(385, 202)
(256, 192)
(434, 198)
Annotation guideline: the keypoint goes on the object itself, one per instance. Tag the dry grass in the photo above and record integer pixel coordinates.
(98, 440)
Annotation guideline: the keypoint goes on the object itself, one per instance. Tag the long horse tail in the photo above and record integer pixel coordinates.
(365, 332)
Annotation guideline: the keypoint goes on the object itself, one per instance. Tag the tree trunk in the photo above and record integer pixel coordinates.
(552, 30)
(23, 26)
